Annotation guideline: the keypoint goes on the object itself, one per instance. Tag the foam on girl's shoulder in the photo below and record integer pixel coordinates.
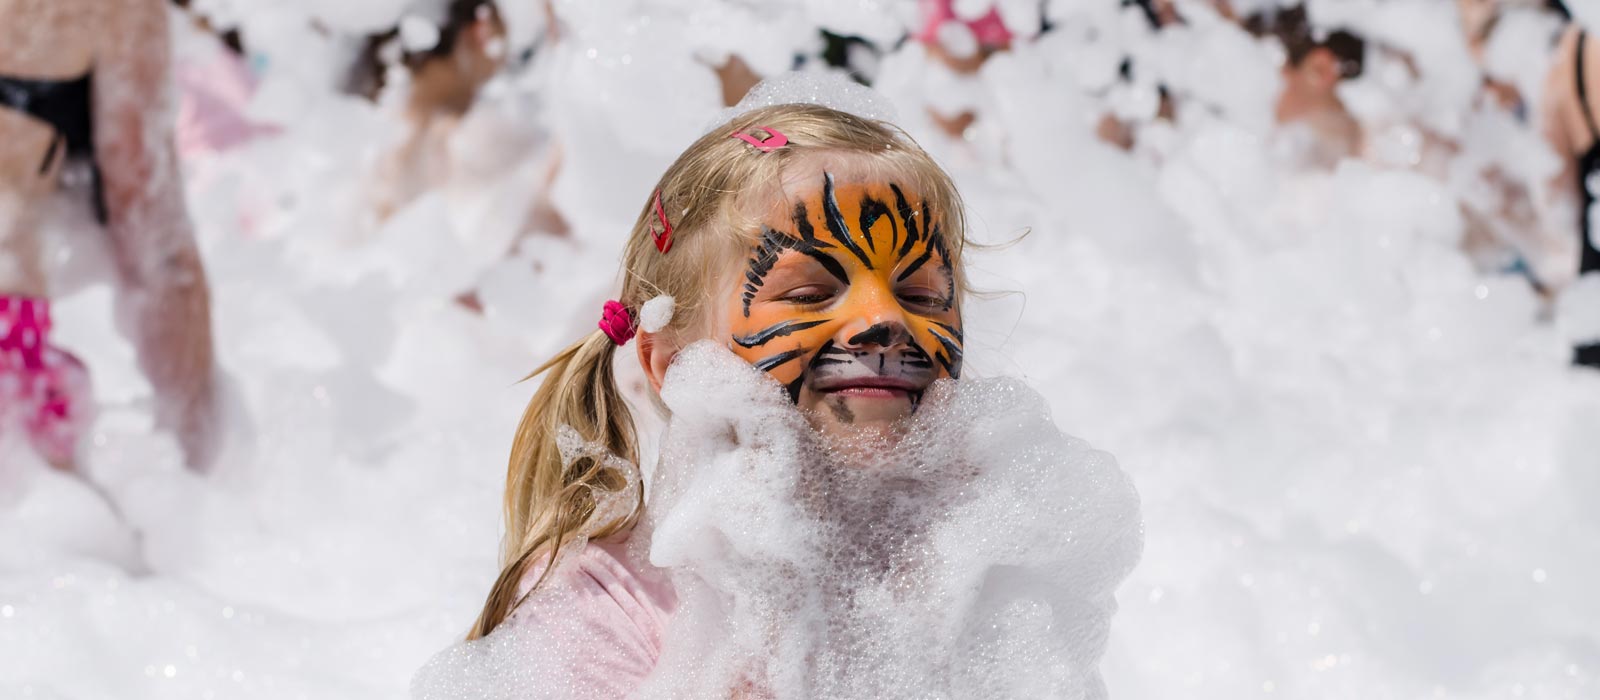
(606, 578)
(592, 630)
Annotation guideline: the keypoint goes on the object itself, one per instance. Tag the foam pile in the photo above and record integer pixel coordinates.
(974, 555)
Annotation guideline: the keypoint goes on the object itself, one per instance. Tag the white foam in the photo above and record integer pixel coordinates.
(1343, 435)
(828, 89)
(418, 34)
(805, 573)
(655, 314)
(810, 569)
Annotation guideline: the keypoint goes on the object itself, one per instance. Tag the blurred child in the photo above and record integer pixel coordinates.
(444, 81)
(1320, 128)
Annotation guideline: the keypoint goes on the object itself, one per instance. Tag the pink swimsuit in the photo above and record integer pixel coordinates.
(44, 391)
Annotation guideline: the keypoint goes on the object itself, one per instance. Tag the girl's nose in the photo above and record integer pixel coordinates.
(882, 326)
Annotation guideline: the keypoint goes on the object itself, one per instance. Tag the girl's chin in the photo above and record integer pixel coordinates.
(855, 416)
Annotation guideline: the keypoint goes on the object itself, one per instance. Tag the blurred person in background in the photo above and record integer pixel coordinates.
(1567, 112)
(84, 85)
(446, 65)
(215, 86)
(1123, 132)
(1319, 128)
(1502, 222)
(959, 46)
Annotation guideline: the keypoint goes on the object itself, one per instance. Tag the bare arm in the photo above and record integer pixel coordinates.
(164, 298)
(1553, 255)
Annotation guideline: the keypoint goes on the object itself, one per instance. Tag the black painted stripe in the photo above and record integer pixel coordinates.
(915, 264)
(871, 211)
(880, 334)
(944, 262)
(802, 223)
(831, 265)
(769, 363)
(916, 352)
(950, 346)
(766, 255)
(907, 217)
(761, 261)
(764, 335)
(952, 330)
(952, 361)
(835, 219)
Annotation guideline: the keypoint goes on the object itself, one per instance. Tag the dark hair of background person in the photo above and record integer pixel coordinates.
(1148, 9)
(1293, 28)
(367, 75)
(230, 38)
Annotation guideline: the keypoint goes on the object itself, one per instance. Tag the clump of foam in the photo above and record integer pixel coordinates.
(1578, 310)
(418, 34)
(973, 555)
(832, 90)
(655, 314)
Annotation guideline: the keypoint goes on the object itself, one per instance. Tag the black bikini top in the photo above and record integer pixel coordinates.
(65, 105)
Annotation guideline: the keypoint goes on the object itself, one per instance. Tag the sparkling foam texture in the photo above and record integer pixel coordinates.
(976, 556)
(831, 90)
(1364, 469)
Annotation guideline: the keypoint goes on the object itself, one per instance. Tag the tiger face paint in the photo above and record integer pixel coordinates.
(849, 301)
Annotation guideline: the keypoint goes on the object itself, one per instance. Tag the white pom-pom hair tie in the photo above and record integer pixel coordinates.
(655, 314)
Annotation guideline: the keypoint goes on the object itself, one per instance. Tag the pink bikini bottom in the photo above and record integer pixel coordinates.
(44, 391)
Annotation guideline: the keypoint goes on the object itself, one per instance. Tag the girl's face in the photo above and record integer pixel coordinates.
(848, 299)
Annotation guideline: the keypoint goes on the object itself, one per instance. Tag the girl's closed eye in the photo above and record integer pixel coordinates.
(810, 294)
(927, 289)
(922, 297)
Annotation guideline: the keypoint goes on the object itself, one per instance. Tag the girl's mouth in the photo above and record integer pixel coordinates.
(872, 388)
(870, 392)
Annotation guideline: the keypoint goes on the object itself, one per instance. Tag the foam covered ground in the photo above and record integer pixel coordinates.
(1366, 470)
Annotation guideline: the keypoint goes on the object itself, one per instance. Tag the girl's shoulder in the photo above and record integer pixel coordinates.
(592, 630)
(609, 586)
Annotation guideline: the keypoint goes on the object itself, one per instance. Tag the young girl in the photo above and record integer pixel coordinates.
(823, 249)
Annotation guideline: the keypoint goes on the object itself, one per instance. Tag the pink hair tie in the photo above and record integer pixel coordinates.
(616, 322)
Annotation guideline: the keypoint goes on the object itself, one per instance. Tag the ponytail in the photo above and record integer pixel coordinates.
(548, 503)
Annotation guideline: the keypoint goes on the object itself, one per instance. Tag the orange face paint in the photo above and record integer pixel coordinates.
(868, 257)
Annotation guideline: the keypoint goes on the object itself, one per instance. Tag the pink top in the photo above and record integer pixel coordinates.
(618, 615)
(213, 107)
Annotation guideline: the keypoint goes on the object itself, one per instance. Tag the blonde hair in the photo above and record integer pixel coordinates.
(710, 195)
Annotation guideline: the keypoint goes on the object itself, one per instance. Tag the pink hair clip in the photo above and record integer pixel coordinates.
(774, 140)
(664, 239)
(616, 322)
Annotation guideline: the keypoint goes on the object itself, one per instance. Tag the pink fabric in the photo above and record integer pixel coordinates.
(213, 105)
(614, 614)
(989, 29)
(43, 389)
